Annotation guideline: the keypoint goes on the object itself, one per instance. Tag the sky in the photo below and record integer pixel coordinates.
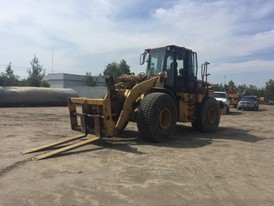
(72, 36)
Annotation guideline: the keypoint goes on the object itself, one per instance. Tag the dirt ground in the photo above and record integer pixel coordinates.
(233, 166)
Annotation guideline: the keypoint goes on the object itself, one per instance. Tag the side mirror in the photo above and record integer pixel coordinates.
(143, 58)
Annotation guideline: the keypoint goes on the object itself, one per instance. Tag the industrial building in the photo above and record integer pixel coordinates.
(77, 82)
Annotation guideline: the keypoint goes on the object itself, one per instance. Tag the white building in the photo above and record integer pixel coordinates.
(77, 82)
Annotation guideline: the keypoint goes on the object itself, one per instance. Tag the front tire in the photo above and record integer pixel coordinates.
(156, 117)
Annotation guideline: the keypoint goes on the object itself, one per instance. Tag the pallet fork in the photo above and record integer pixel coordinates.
(95, 119)
(62, 149)
(95, 116)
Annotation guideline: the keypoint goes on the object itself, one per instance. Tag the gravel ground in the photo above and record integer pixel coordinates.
(233, 166)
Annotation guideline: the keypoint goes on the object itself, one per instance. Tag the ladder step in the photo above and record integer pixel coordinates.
(67, 148)
(68, 139)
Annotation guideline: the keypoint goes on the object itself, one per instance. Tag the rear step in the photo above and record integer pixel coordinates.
(62, 149)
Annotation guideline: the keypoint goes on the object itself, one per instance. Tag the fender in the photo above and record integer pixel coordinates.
(167, 91)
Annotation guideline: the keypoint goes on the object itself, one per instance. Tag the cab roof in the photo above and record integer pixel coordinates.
(170, 46)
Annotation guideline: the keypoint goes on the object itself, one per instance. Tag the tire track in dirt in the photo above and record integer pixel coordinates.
(14, 166)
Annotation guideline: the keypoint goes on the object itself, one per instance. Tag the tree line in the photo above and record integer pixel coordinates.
(36, 74)
(35, 77)
(267, 92)
(115, 69)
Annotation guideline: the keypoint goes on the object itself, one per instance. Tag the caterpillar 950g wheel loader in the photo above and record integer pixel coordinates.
(167, 93)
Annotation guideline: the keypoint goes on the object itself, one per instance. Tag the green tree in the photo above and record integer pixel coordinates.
(124, 67)
(231, 84)
(112, 69)
(36, 73)
(261, 92)
(218, 87)
(269, 89)
(116, 69)
(23, 83)
(8, 78)
(89, 80)
(45, 83)
(252, 90)
(242, 88)
(2, 80)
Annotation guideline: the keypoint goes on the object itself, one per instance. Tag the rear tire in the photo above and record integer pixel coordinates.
(156, 117)
(208, 116)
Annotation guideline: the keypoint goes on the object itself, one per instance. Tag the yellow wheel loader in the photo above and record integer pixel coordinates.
(167, 93)
(234, 95)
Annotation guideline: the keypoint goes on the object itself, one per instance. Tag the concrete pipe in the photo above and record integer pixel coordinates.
(34, 96)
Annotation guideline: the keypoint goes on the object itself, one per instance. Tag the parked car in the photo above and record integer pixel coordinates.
(269, 102)
(248, 103)
(223, 98)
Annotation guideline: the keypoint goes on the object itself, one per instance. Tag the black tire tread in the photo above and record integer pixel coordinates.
(144, 117)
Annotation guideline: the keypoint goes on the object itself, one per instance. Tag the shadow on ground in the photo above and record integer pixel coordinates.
(234, 113)
(184, 137)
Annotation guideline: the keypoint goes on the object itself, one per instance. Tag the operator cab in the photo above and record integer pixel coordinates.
(177, 63)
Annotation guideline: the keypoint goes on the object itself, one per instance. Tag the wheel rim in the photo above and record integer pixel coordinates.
(211, 115)
(165, 118)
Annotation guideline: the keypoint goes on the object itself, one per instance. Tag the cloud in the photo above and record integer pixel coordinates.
(218, 27)
(87, 35)
(240, 67)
